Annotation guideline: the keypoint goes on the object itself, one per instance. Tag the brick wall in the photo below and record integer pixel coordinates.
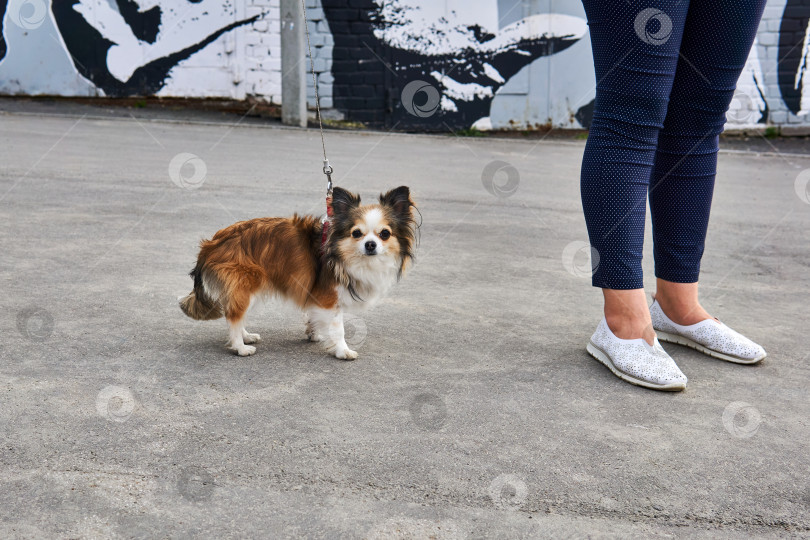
(360, 77)
(366, 95)
(788, 24)
(263, 52)
(322, 44)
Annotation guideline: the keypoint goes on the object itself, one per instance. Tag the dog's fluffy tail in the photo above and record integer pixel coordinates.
(197, 304)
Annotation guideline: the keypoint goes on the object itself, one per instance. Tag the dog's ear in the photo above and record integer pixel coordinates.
(399, 200)
(344, 201)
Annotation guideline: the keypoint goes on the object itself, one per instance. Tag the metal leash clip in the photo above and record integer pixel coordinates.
(327, 170)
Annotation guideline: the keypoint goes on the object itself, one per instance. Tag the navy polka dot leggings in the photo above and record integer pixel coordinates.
(666, 72)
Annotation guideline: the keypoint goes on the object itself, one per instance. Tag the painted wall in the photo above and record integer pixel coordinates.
(201, 48)
(403, 64)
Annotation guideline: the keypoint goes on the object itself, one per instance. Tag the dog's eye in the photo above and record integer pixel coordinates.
(385, 234)
(356, 233)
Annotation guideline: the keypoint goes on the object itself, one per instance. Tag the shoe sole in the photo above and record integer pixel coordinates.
(604, 359)
(686, 342)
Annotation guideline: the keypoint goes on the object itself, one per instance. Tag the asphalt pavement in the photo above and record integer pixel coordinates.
(473, 410)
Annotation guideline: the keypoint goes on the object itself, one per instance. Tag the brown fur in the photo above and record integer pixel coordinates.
(264, 255)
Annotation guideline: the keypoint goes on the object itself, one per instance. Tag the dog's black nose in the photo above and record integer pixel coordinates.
(371, 245)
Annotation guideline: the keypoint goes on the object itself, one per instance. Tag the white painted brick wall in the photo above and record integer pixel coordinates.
(263, 53)
(322, 45)
(263, 58)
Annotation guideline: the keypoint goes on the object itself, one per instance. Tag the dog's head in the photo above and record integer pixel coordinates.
(373, 236)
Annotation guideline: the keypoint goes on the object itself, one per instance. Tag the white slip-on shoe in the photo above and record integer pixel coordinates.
(709, 336)
(635, 360)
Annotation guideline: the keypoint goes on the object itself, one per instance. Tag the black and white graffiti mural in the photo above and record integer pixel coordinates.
(127, 49)
(404, 64)
(794, 56)
(450, 63)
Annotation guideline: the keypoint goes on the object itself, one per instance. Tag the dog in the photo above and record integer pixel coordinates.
(366, 249)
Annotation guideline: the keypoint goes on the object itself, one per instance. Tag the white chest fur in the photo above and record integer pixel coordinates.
(372, 280)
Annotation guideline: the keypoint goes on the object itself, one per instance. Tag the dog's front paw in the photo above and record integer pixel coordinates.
(345, 354)
(251, 338)
(245, 350)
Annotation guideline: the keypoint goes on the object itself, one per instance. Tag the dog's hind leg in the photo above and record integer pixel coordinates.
(240, 283)
(235, 314)
(247, 337)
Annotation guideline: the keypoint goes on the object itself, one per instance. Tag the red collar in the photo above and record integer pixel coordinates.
(326, 221)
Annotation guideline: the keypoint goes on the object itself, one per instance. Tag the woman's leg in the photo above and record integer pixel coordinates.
(716, 42)
(680, 301)
(627, 314)
(635, 50)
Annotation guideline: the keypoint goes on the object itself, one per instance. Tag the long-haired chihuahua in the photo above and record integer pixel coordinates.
(365, 250)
